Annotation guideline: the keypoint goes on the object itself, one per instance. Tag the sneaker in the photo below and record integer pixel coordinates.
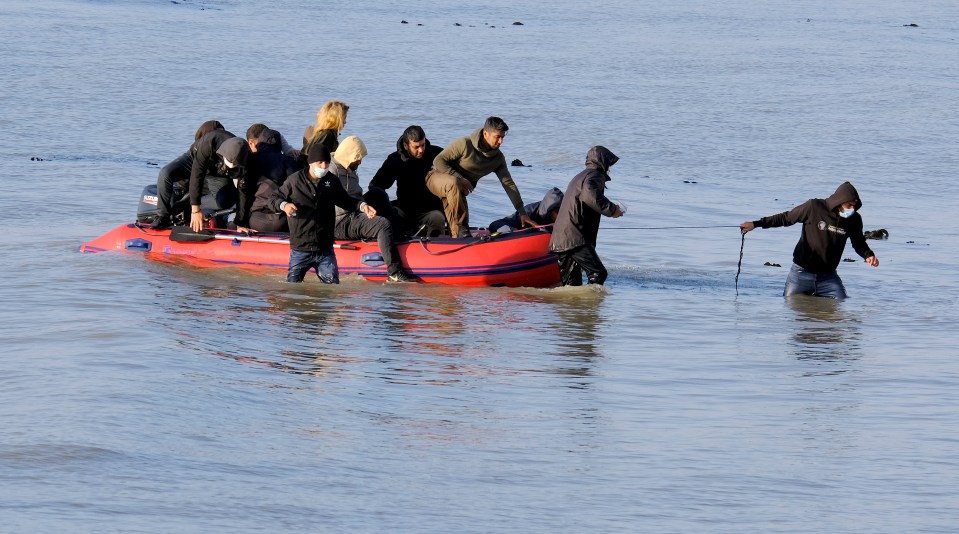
(161, 222)
(402, 276)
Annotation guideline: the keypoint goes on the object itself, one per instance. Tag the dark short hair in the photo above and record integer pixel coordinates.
(413, 134)
(254, 131)
(206, 128)
(495, 124)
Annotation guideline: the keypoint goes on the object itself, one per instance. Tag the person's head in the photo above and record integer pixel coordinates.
(350, 153)
(233, 152)
(253, 133)
(206, 128)
(319, 160)
(494, 131)
(414, 141)
(332, 116)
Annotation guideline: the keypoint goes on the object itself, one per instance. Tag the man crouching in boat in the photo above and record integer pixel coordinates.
(827, 223)
(308, 198)
(219, 165)
(459, 167)
(577, 224)
(350, 223)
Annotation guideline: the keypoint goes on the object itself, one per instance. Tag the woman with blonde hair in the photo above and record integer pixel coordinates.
(330, 120)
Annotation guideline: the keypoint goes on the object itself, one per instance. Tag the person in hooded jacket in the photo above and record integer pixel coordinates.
(309, 198)
(459, 167)
(353, 224)
(541, 213)
(268, 168)
(827, 224)
(219, 170)
(174, 173)
(416, 208)
(577, 223)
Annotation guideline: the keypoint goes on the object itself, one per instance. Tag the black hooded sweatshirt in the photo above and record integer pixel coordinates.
(584, 202)
(208, 162)
(409, 174)
(824, 231)
(312, 228)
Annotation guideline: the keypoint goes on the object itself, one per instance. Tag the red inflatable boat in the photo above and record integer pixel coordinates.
(517, 259)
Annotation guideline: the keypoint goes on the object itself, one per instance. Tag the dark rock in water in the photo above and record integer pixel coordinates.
(771, 264)
(517, 23)
(913, 25)
(34, 158)
(881, 233)
(152, 164)
(457, 24)
(419, 24)
(690, 182)
(403, 22)
(517, 163)
(849, 260)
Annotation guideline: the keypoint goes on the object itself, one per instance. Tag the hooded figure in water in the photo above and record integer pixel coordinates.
(542, 212)
(577, 223)
(827, 224)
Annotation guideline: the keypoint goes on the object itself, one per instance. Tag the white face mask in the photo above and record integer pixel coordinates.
(844, 213)
(320, 172)
(228, 163)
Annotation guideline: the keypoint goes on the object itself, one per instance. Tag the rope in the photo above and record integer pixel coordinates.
(739, 267)
(668, 227)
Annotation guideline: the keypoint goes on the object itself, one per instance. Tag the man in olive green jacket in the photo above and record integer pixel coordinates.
(458, 168)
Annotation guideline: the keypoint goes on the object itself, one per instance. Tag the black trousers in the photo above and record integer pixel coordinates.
(573, 263)
(357, 225)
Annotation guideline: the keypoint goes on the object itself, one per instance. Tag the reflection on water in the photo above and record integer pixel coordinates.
(825, 329)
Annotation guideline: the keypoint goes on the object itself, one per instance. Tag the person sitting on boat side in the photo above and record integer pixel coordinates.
(577, 223)
(352, 224)
(542, 213)
(458, 168)
(415, 206)
(271, 167)
(330, 121)
(308, 197)
(177, 172)
(219, 171)
(253, 136)
(827, 224)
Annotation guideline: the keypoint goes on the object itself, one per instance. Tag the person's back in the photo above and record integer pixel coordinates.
(541, 213)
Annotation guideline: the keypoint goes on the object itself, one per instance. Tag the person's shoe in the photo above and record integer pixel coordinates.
(464, 232)
(161, 222)
(402, 276)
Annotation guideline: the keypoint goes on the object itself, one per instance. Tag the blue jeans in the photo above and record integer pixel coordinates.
(324, 261)
(800, 282)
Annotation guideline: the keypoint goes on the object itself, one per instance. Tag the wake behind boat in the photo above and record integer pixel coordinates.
(516, 259)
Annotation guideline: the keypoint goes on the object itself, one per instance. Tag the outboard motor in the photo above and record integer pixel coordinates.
(147, 210)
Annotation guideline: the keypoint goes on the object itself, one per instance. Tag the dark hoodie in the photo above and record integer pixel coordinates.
(409, 175)
(824, 231)
(208, 153)
(268, 168)
(577, 223)
(312, 228)
(537, 211)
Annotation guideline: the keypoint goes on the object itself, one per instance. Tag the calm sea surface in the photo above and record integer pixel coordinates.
(146, 397)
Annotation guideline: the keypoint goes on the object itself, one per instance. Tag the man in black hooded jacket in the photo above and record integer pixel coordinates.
(219, 168)
(827, 224)
(577, 224)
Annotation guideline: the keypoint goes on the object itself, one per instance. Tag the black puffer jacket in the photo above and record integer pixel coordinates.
(312, 228)
(824, 232)
(577, 223)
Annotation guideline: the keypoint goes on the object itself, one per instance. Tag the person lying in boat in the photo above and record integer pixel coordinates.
(416, 208)
(353, 224)
(459, 167)
(268, 169)
(541, 213)
(175, 173)
(308, 197)
(219, 169)
(827, 224)
(577, 223)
